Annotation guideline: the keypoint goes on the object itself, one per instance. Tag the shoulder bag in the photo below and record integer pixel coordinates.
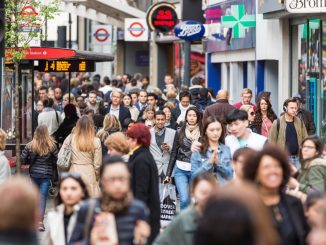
(64, 156)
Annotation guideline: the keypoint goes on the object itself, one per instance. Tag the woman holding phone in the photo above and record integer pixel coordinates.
(214, 156)
(181, 154)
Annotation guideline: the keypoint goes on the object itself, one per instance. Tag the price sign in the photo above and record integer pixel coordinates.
(66, 65)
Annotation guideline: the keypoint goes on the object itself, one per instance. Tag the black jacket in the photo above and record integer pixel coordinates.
(18, 237)
(125, 222)
(308, 120)
(181, 150)
(124, 113)
(295, 212)
(145, 185)
(175, 113)
(40, 166)
(65, 129)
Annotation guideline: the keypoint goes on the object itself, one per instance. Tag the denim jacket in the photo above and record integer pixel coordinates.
(223, 170)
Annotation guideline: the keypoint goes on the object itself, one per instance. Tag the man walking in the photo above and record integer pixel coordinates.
(289, 131)
(221, 108)
(162, 139)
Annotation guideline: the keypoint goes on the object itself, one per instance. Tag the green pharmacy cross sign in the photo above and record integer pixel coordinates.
(238, 21)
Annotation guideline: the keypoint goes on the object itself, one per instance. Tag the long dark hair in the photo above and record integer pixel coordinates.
(199, 122)
(204, 139)
(259, 116)
(78, 179)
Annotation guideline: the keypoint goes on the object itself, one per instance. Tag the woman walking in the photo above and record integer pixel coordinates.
(41, 154)
(181, 154)
(62, 220)
(265, 117)
(86, 154)
(313, 171)
(127, 102)
(270, 171)
(111, 125)
(214, 155)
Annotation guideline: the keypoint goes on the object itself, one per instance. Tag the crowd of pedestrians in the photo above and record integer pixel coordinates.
(125, 156)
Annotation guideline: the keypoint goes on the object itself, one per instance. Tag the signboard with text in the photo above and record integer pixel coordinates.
(66, 66)
(305, 6)
(102, 34)
(162, 17)
(136, 30)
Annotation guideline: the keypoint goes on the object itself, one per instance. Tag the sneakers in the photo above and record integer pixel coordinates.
(41, 226)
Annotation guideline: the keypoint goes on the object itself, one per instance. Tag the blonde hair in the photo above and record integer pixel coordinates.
(3, 139)
(110, 121)
(84, 133)
(74, 81)
(42, 142)
(246, 108)
(72, 98)
(246, 91)
(118, 141)
(19, 204)
(148, 108)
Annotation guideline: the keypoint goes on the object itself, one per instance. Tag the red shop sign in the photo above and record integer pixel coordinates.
(40, 53)
(162, 17)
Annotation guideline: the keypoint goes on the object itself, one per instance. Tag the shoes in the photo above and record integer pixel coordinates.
(41, 226)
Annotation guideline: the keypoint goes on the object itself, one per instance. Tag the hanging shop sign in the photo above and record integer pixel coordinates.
(66, 66)
(162, 17)
(305, 6)
(238, 21)
(136, 30)
(189, 30)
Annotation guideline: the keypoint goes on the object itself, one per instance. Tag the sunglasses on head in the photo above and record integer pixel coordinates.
(66, 175)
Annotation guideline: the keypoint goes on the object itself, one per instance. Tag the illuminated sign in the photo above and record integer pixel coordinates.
(162, 17)
(66, 65)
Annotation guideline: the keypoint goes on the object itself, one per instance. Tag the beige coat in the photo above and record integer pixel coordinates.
(55, 234)
(87, 164)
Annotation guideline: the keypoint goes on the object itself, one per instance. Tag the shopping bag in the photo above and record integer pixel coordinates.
(168, 203)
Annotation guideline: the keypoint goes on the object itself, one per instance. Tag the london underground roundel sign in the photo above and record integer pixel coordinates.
(189, 30)
(162, 17)
(101, 35)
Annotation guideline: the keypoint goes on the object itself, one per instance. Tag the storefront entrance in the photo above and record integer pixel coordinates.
(308, 76)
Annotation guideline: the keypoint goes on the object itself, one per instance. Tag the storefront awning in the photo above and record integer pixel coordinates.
(43, 53)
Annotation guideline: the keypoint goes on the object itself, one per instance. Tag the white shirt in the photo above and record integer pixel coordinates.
(254, 141)
(105, 89)
(115, 111)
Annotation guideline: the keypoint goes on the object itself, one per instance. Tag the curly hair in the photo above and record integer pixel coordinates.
(259, 116)
(250, 169)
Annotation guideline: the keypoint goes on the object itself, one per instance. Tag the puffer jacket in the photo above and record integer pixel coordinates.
(181, 152)
(40, 166)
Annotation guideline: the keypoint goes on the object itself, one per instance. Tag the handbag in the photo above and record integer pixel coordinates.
(64, 156)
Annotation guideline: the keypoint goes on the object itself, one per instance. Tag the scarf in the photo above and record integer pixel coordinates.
(182, 116)
(192, 132)
(114, 205)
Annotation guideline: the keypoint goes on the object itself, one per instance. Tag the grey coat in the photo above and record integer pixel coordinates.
(162, 158)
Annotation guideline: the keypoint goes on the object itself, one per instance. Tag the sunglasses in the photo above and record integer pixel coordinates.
(252, 113)
(66, 175)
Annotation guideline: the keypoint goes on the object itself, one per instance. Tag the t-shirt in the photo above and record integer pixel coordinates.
(291, 138)
(243, 143)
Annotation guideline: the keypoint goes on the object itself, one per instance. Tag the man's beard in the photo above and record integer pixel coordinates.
(115, 205)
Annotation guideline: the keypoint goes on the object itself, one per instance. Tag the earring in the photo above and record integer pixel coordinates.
(193, 201)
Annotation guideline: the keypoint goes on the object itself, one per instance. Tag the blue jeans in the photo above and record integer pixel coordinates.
(182, 180)
(43, 186)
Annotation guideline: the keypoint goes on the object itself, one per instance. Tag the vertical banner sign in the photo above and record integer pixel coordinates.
(102, 36)
(136, 30)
